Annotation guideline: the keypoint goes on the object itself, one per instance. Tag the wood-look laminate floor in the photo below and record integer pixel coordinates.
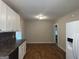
(44, 51)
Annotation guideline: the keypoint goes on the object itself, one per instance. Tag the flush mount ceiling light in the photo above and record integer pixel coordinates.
(41, 17)
(73, 15)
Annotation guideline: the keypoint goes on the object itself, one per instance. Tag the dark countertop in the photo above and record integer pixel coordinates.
(9, 47)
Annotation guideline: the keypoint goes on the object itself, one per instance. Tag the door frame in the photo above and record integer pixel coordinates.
(58, 33)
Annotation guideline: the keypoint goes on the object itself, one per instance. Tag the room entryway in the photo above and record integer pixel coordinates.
(56, 33)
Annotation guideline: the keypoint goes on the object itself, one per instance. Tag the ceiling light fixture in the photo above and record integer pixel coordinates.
(73, 15)
(41, 17)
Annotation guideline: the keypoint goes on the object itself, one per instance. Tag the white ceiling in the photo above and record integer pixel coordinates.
(51, 8)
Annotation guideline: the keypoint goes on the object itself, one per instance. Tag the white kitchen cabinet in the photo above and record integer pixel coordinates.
(1, 27)
(9, 19)
(22, 50)
(17, 22)
(13, 20)
(2, 16)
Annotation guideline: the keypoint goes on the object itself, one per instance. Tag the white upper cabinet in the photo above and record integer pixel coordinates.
(1, 27)
(2, 16)
(18, 23)
(9, 19)
(13, 20)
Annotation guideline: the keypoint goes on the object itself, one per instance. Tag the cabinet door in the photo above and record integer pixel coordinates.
(22, 50)
(18, 24)
(14, 21)
(2, 16)
(11, 20)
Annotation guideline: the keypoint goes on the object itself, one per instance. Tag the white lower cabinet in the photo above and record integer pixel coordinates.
(22, 50)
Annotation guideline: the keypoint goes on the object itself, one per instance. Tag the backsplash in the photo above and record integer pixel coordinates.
(7, 38)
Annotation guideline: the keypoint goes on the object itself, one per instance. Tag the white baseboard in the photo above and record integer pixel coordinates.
(40, 42)
(62, 48)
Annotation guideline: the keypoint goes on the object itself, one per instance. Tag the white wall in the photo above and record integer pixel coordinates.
(62, 27)
(39, 31)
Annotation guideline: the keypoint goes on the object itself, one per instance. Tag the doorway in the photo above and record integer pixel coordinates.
(56, 33)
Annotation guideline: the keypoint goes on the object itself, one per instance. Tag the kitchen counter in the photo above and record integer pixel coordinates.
(7, 48)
